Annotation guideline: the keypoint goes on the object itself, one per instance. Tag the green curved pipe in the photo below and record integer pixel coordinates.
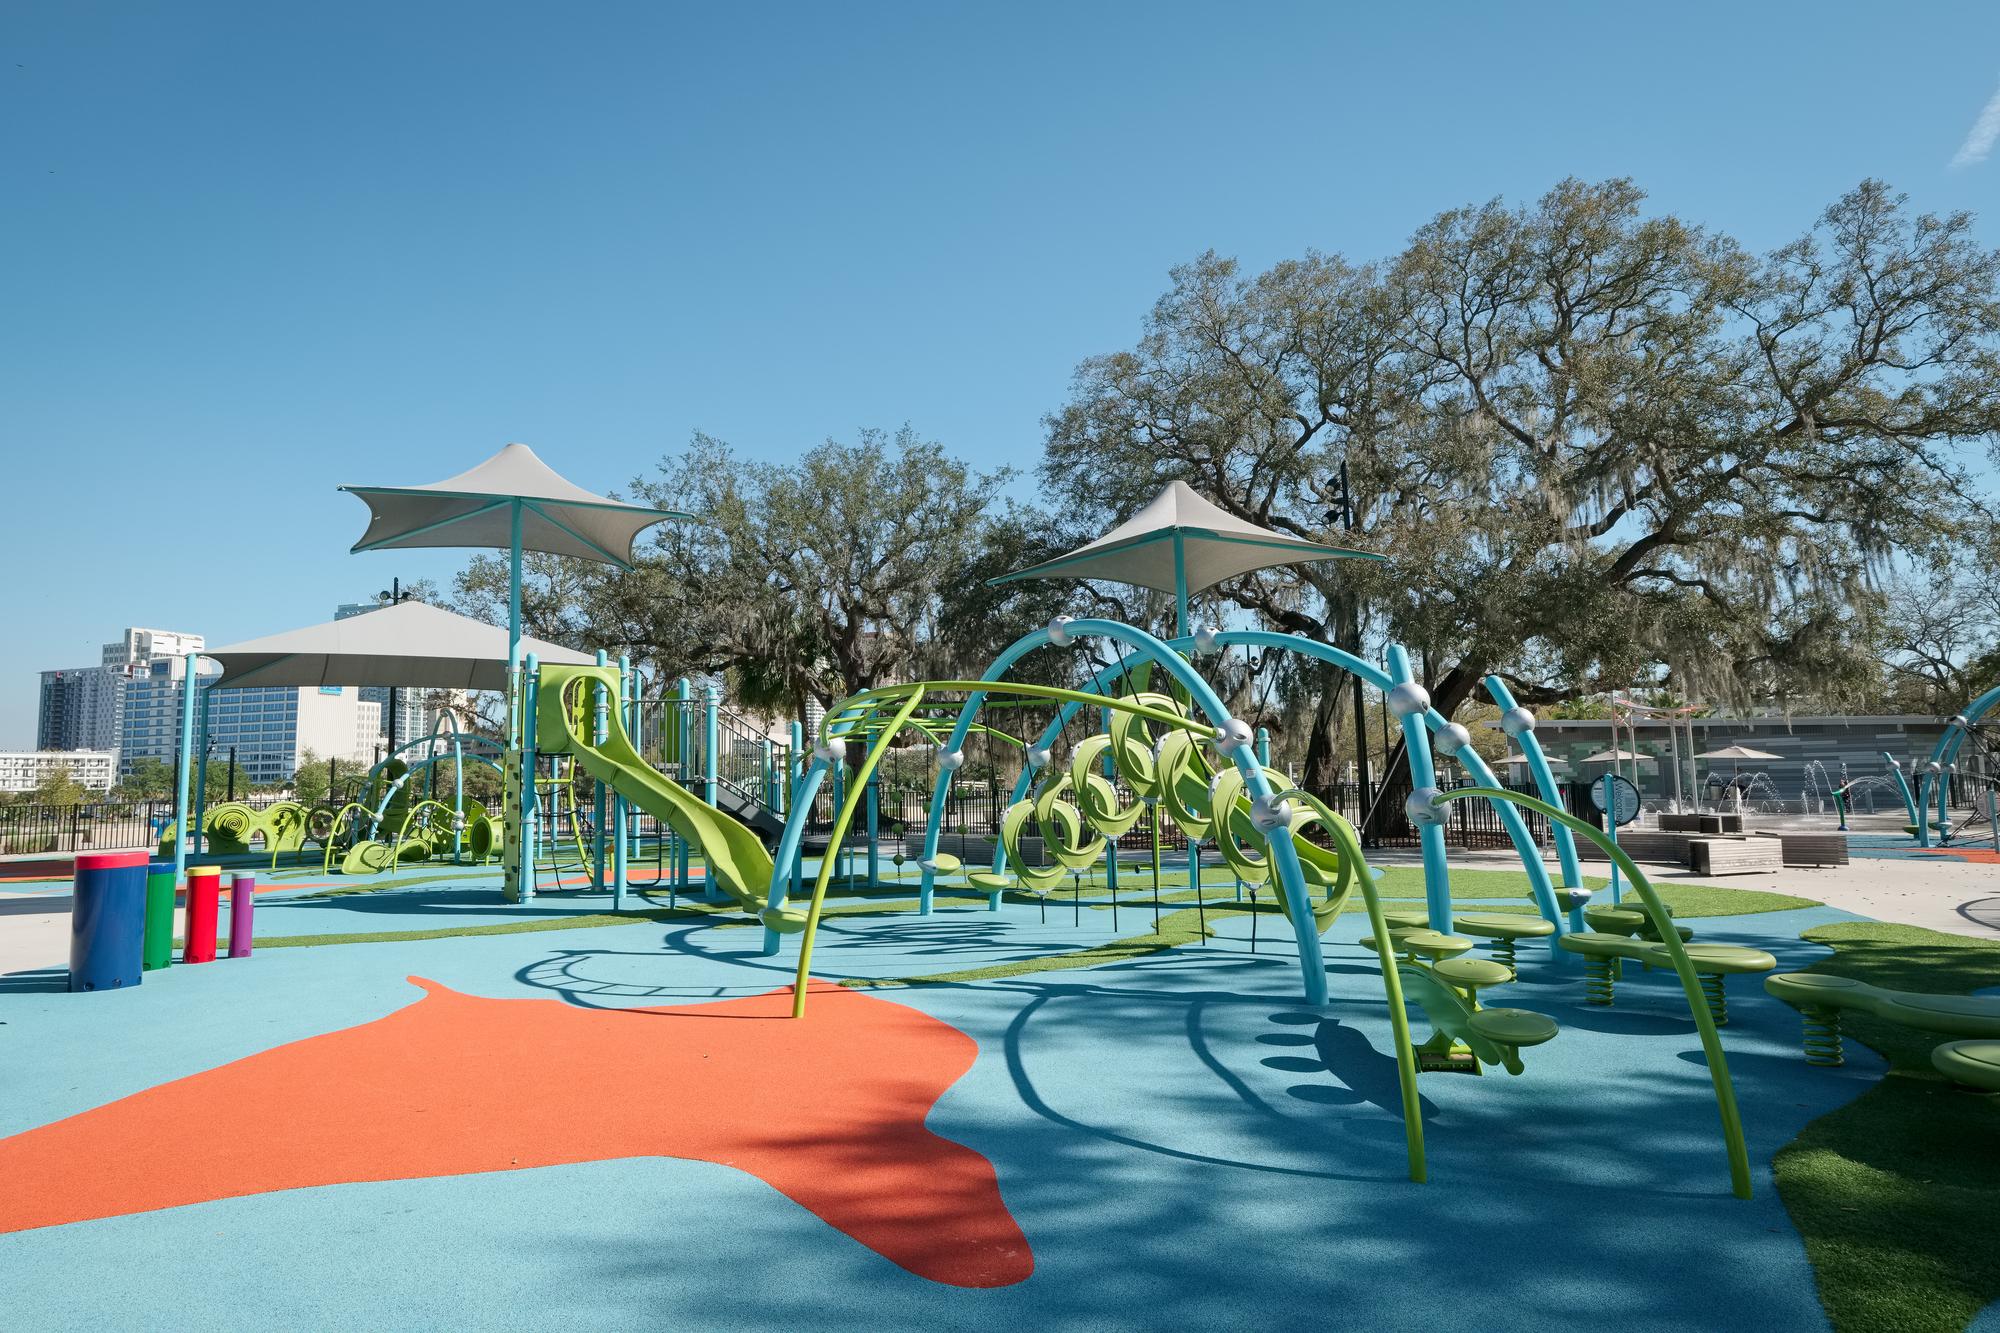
(1663, 925)
(855, 791)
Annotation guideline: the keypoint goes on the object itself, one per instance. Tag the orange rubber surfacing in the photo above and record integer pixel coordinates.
(828, 1110)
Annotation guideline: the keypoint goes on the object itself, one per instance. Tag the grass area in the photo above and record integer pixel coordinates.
(1897, 1193)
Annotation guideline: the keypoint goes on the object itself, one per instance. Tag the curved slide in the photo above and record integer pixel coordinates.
(738, 863)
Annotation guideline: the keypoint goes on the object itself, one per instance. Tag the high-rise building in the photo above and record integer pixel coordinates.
(83, 708)
(140, 646)
(270, 729)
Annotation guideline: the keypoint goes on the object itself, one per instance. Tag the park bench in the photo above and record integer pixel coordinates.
(1810, 849)
(1681, 824)
(1820, 998)
(1735, 856)
(1642, 845)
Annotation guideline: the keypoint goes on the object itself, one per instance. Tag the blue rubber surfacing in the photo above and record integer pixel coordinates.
(1182, 1142)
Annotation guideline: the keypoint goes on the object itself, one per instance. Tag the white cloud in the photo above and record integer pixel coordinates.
(1979, 140)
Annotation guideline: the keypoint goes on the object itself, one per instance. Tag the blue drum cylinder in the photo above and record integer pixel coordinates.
(107, 924)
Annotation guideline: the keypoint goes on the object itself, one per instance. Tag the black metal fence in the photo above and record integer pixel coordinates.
(28, 830)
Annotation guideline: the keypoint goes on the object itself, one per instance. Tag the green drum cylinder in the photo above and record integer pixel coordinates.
(159, 949)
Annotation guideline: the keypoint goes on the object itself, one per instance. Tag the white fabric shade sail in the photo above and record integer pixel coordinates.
(1181, 543)
(409, 645)
(479, 507)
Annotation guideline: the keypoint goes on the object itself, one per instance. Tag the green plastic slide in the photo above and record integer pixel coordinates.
(737, 862)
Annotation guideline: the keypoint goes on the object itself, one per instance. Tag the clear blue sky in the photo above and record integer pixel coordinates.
(257, 250)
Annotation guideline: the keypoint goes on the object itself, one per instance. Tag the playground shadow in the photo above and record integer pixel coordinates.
(36, 981)
(435, 901)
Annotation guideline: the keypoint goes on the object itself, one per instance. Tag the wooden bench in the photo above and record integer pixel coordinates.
(1680, 824)
(1810, 849)
(1735, 856)
(1641, 845)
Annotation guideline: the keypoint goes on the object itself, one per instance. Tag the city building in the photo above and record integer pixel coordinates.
(140, 646)
(83, 708)
(24, 770)
(269, 729)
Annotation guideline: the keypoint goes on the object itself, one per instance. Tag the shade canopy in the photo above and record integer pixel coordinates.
(1617, 755)
(478, 507)
(1182, 543)
(409, 645)
(1737, 752)
(1517, 757)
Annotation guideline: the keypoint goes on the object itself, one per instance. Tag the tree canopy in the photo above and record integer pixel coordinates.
(1601, 448)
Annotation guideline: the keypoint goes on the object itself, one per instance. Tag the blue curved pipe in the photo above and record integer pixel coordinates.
(1935, 787)
(1545, 782)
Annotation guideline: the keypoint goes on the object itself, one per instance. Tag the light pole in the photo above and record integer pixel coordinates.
(391, 597)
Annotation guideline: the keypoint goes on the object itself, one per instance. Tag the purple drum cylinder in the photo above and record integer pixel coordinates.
(242, 904)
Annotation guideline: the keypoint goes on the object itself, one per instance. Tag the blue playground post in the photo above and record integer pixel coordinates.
(684, 711)
(599, 733)
(796, 760)
(185, 768)
(621, 809)
(873, 793)
(711, 707)
(1423, 777)
(1181, 626)
(201, 771)
(530, 801)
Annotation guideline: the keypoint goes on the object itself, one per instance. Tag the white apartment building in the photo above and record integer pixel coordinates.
(140, 646)
(24, 770)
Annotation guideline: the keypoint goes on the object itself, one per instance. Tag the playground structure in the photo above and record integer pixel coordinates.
(1930, 808)
(1145, 740)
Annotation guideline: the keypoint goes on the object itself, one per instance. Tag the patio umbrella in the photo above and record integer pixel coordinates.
(1616, 755)
(1736, 754)
(1181, 543)
(513, 501)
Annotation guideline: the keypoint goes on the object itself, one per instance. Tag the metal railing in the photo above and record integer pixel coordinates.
(29, 830)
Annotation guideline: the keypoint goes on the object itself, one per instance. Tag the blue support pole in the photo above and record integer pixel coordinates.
(684, 711)
(1181, 626)
(711, 708)
(514, 614)
(530, 798)
(1423, 775)
(185, 768)
(796, 760)
(621, 819)
(1545, 783)
(600, 732)
(201, 770)
(873, 797)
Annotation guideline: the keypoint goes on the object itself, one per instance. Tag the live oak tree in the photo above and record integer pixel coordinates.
(1600, 448)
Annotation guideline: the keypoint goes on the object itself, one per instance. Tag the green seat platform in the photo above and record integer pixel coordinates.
(1433, 943)
(1712, 962)
(1505, 929)
(1514, 1027)
(991, 880)
(1470, 974)
(1416, 919)
(1973, 1063)
(944, 863)
(1820, 998)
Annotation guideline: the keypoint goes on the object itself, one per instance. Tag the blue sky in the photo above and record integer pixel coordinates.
(256, 251)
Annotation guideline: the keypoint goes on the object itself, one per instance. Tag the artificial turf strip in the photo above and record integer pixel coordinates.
(1897, 1194)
